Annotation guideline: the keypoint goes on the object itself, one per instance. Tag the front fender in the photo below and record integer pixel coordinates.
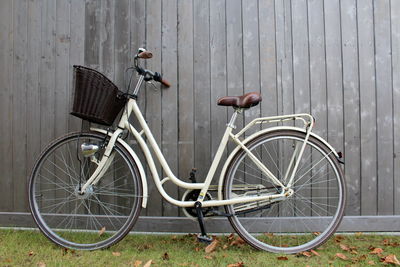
(251, 137)
(137, 161)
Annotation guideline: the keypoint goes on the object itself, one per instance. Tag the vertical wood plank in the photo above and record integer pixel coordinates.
(334, 68)
(218, 74)
(106, 31)
(32, 83)
(6, 114)
(153, 97)
(395, 18)
(92, 33)
(185, 88)
(384, 111)
(170, 97)
(62, 43)
(20, 25)
(201, 80)
(251, 57)
(76, 55)
(301, 81)
(365, 21)
(351, 105)
(318, 89)
(121, 35)
(268, 60)
(283, 17)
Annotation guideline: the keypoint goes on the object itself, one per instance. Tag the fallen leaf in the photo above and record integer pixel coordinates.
(376, 251)
(225, 246)
(102, 230)
(358, 234)
(341, 256)
(41, 264)
(344, 247)
(371, 263)
(208, 257)
(306, 254)
(237, 242)
(165, 256)
(231, 236)
(391, 259)
(31, 253)
(282, 258)
(148, 264)
(316, 233)
(237, 264)
(197, 249)
(314, 252)
(339, 238)
(116, 253)
(137, 263)
(210, 248)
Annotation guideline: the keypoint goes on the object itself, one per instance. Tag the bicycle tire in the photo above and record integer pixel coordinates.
(316, 201)
(99, 218)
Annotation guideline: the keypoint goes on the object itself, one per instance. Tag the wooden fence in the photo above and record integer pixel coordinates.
(336, 59)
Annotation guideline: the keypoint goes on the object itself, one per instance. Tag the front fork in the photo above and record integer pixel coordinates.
(104, 163)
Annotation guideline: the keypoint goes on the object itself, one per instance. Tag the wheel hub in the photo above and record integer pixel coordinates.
(85, 195)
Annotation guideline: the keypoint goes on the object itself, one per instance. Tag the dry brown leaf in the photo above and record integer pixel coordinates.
(165, 256)
(316, 233)
(282, 258)
(341, 256)
(197, 249)
(306, 254)
(344, 247)
(225, 246)
(137, 263)
(231, 236)
(391, 259)
(116, 253)
(210, 248)
(208, 257)
(376, 251)
(237, 264)
(358, 234)
(41, 264)
(314, 252)
(148, 264)
(339, 238)
(102, 230)
(237, 242)
(31, 253)
(371, 263)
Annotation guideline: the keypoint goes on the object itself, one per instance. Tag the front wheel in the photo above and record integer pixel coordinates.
(301, 221)
(101, 216)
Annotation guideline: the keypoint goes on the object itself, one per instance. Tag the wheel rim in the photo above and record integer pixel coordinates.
(98, 218)
(297, 223)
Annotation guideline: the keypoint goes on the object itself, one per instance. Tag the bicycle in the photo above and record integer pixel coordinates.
(281, 188)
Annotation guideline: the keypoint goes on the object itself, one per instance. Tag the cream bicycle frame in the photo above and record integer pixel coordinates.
(132, 107)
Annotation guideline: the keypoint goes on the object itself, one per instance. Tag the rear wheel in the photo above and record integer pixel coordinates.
(101, 216)
(291, 224)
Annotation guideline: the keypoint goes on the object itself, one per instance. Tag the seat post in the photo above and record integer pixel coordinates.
(231, 123)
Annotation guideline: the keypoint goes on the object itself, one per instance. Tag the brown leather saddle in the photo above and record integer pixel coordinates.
(245, 101)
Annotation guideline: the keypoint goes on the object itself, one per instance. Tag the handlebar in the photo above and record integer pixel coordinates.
(148, 74)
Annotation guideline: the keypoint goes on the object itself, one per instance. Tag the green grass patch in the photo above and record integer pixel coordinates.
(31, 248)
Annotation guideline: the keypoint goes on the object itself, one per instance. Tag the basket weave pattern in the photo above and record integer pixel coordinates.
(96, 98)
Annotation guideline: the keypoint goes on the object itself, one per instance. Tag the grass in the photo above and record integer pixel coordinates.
(31, 248)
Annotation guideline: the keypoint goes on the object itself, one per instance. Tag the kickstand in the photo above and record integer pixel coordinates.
(203, 237)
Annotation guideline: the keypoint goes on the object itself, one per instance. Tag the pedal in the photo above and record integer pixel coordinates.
(204, 239)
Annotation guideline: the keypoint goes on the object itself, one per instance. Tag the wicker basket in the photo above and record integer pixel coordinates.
(96, 98)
